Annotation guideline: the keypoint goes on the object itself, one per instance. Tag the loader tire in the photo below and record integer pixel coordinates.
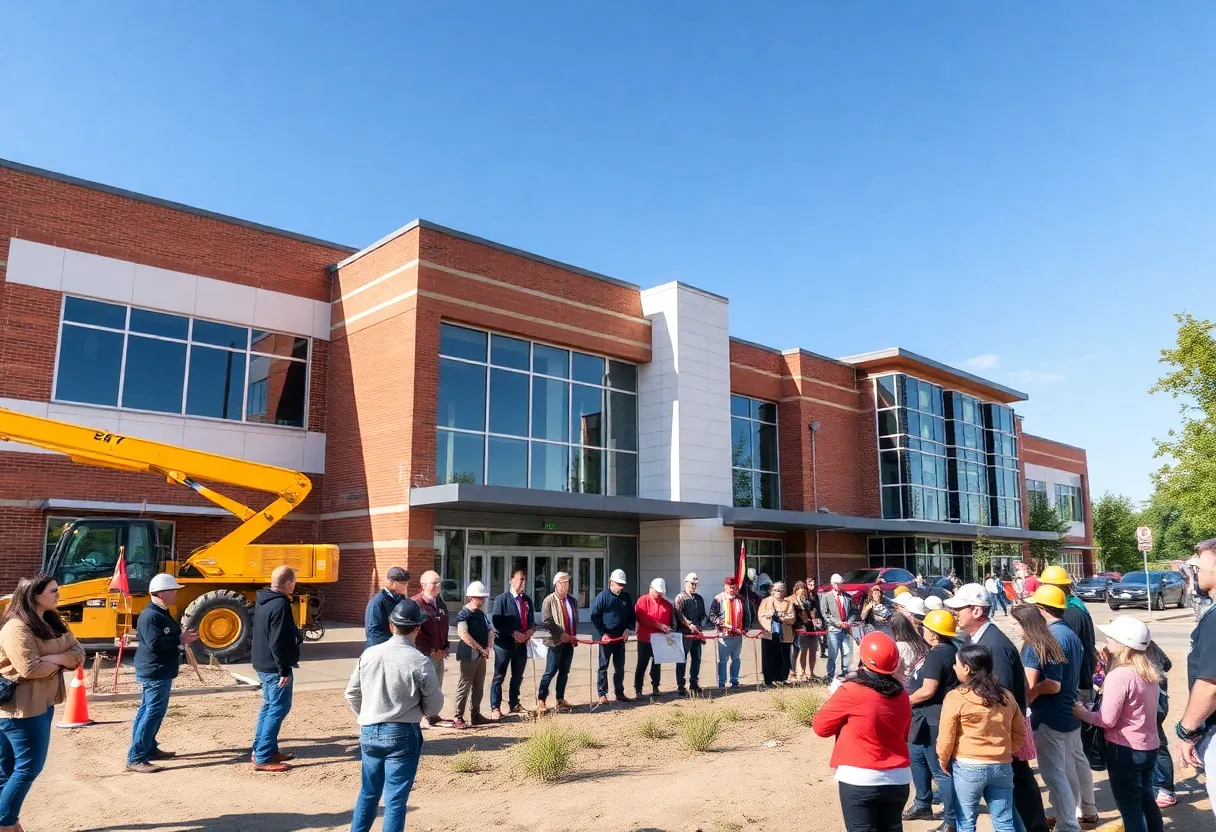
(224, 620)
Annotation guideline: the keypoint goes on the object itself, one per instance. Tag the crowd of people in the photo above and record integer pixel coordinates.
(940, 697)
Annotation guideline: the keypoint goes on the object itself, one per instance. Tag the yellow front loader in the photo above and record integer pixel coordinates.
(221, 579)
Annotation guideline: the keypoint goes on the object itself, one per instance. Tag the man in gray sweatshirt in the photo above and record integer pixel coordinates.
(394, 687)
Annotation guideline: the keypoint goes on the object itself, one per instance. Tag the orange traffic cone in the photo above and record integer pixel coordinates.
(78, 704)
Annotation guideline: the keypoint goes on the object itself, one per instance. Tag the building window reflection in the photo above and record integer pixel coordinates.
(754, 453)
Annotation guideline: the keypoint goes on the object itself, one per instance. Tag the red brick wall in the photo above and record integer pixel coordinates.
(1036, 450)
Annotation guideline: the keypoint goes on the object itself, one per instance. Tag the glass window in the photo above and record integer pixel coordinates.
(586, 470)
(765, 444)
(622, 376)
(458, 342)
(587, 368)
(275, 343)
(744, 493)
(623, 474)
(158, 323)
(281, 387)
(508, 402)
(462, 395)
(764, 411)
(510, 352)
(155, 375)
(622, 421)
(755, 453)
(220, 335)
(741, 443)
(550, 408)
(217, 383)
(508, 462)
(767, 492)
(886, 391)
(587, 409)
(740, 406)
(550, 361)
(94, 312)
(90, 366)
(459, 457)
(549, 471)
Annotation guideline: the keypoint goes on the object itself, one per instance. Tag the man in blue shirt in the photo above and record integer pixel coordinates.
(375, 619)
(613, 616)
(1052, 692)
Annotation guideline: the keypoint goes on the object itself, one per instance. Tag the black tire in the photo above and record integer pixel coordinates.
(1181, 600)
(1112, 606)
(1159, 604)
(232, 607)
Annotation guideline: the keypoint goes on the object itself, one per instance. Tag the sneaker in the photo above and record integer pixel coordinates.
(272, 767)
(721, 688)
(143, 768)
(160, 754)
(541, 707)
(1165, 799)
(912, 813)
(516, 709)
(459, 724)
(655, 693)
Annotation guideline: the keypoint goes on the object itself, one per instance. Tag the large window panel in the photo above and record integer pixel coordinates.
(221, 335)
(741, 443)
(550, 361)
(587, 408)
(588, 369)
(94, 312)
(622, 376)
(458, 342)
(768, 493)
(217, 383)
(508, 462)
(622, 421)
(282, 389)
(508, 402)
(550, 408)
(159, 323)
(549, 471)
(459, 457)
(623, 474)
(462, 395)
(586, 470)
(766, 447)
(90, 366)
(744, 490)
(155, 374)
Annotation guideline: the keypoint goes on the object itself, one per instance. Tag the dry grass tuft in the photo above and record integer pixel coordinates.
(699, 730)
(468, 761)
(803, 707)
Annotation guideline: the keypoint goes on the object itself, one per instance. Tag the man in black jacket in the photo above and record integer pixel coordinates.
(612, 614)
(375, 619)
(690, 618)
(157, 659)
(513, 620)
(971, 605)
(276, 650)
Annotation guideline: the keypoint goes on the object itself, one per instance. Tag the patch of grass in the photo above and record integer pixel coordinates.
(731, 714)
(727, 826)
(585, 739)
(699, 730)
(468, 761)
(775, 731)
(779, 701)
(803, 707)
(649, 728)
(546, 755)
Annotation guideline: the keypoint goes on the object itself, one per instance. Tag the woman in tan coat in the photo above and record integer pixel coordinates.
(35, 648)
(777, 614)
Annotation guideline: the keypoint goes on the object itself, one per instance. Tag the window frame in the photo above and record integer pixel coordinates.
(63, 520)
(755, 471)
(189, 343)
(605, 388)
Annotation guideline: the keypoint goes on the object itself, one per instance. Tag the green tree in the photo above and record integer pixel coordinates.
(1115, 521)
(1187, 479)
(1044, 518)
(1173, 536)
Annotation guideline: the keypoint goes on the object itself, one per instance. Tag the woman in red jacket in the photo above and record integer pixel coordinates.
(870, 717)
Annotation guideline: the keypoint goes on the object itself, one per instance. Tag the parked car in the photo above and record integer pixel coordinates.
(857, 581)
(1167, 588)
(940, 585)
(1093, 589)
(1118, 576)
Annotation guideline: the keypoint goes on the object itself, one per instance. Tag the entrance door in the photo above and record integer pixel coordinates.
(587, 571)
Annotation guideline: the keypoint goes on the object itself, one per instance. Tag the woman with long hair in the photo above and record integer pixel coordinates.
(870, 716)
(35, 648)
(776, 616)
(981, 727)
(912, 648)
(806, 648)
(1128, 717)
(928, 686)
(876, 612)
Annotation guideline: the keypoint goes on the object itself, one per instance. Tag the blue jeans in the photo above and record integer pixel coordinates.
(993, 783)
(925, 770)
(997, 599)
(1163, 773)
(840, 643)
(1131, 782)
(729, 650)
(153, 703)
(23, 744)
(276, 703)
(390, 761)
(557, 663)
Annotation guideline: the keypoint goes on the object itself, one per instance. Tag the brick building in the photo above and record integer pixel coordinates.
(463, 405)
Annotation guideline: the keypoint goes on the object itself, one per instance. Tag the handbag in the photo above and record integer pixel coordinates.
(8, 689)
(1093, 741)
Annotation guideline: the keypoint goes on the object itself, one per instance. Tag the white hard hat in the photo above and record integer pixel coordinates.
(1128, 631)
(691, 577)
(163, 583)
(618, 576)
(836, 579)
(912, 603)
(969, 595)
(660, 585)
(561, 576)
(476, 590)
(933, 603)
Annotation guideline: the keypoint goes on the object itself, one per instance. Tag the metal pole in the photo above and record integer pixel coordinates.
(814, 472)
(1148, 587)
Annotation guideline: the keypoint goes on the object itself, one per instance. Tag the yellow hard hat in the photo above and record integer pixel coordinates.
(1050, 596)
(941, 622)
(1055, 575)
(902, 590)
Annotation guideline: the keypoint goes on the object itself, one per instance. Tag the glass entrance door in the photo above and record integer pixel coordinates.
(494, 568)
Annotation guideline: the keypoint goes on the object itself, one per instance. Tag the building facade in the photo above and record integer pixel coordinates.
(469, 407)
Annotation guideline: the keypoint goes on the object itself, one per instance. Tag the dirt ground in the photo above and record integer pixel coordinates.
(213, 677)
(629, 784)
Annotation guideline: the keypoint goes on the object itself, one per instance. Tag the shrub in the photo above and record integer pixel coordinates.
(775, 731)
(649, 728)
(546, 754)
(699, 730)
(731, 714)
(584, 739)
(803, 707)
(467, 762)
(778, 700)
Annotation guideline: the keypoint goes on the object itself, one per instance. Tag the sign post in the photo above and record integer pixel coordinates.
(1144, 542)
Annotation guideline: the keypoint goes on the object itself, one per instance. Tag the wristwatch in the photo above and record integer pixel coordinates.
(1189, 736)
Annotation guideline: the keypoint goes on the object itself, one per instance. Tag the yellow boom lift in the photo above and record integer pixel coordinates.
(221, 579)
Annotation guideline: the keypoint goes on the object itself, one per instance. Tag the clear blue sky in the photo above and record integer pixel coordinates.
(1025, 189)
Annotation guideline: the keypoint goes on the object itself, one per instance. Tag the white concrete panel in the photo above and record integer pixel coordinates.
(314, 453)
(214, 439)
(283, 313)
(168, 430)
(165, 290)
(95, 276)
(34, 264)
(285, 451)
(99, 418)
(321, 317)
(227, 302)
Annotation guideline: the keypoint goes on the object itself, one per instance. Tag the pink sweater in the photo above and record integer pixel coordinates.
(1129, 710)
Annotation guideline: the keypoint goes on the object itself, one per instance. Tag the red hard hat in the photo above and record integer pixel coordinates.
(878, 653)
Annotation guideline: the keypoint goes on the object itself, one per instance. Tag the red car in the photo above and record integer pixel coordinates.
(858, 581)
(1115, 575)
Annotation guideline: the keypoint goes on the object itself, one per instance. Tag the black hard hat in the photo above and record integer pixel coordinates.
(407, 613)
